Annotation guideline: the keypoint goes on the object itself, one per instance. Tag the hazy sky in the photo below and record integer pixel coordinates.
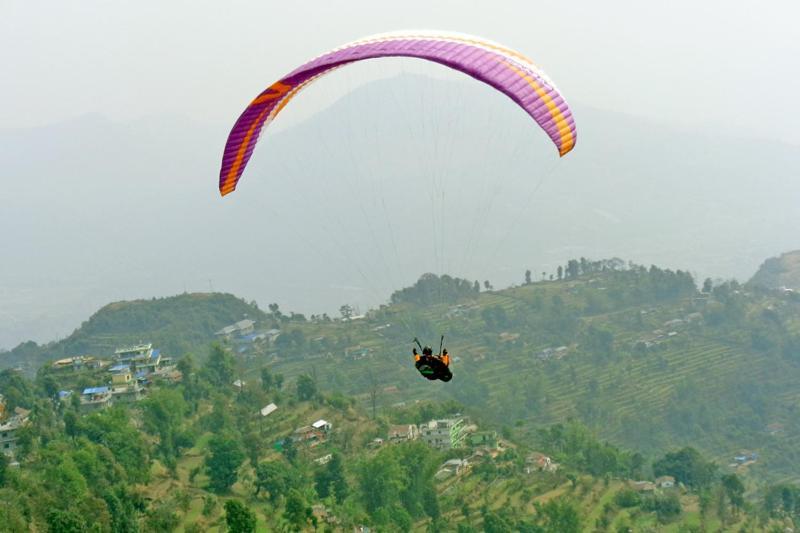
(727, 67)
(730, 63)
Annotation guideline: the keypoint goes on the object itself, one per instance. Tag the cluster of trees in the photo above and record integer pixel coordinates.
(397, 487)
(432, 289)
(575, 446)
(559, 515)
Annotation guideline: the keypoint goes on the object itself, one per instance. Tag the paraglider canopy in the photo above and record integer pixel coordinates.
(505, 69)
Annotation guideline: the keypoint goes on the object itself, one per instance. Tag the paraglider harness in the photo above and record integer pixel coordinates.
(431, 366)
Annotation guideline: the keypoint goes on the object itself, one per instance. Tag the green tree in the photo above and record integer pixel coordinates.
(162, 518)
(306, 387)
(494, 523)
(3, 469)
(123, 512)
(298, 512)
(223, 462)
(274, 478)
(331, 480)
(381, 480)
(163, 411)
(267, 379)
(734, 490)
(65, 522)
(688, 467)
(220, 367)
(708, 286)
(559, 516)
(239, 518)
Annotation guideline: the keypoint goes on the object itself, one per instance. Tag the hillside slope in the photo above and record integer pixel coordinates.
(176, 324)
(779, 272)
(650, 371)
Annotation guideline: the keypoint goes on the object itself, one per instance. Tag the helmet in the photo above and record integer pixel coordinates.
(427, 351)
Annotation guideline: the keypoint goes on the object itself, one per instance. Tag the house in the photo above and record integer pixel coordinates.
(9, 430)
(71, 363)
(94, 398)
(152, 362)
(445, 433)
(665, 482)
(136, 354)
(240, 328)
(64, 395)
(642, 486)
(403, 432)
(452, 467)
(308, 434)
(322, 425)
(268, 409)
(127, 393)
(120, 374)
(671, 324)
(775, 429)
(168, 374)
(239, 384)
(323, 514)
(539, 462)
(486, 439)
(357, 352)
(508, 337)
(746, 458)
(545, 354)
(325, 459)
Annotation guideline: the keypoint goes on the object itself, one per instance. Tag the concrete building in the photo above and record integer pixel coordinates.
(403, 432)
(9, 430)
(95, 398)
(241, 328)
(138, 353)
(445, 433)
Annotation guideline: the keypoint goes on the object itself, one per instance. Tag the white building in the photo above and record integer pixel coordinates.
(322, 425)
(445, 433)
(9, 430)
(268, 409)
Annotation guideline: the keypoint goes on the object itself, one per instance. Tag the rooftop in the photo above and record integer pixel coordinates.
(268, 409)
(95, 390)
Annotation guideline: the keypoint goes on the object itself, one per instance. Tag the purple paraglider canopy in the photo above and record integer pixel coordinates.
(504, 69)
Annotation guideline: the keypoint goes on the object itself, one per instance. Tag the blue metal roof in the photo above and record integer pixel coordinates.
(154, 354)
(119, 368)
(95, 390)
(64, 393)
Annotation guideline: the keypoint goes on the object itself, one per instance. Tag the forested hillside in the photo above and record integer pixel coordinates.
(639, 354)
(177, 324)
(623, 377)
(284, 455)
